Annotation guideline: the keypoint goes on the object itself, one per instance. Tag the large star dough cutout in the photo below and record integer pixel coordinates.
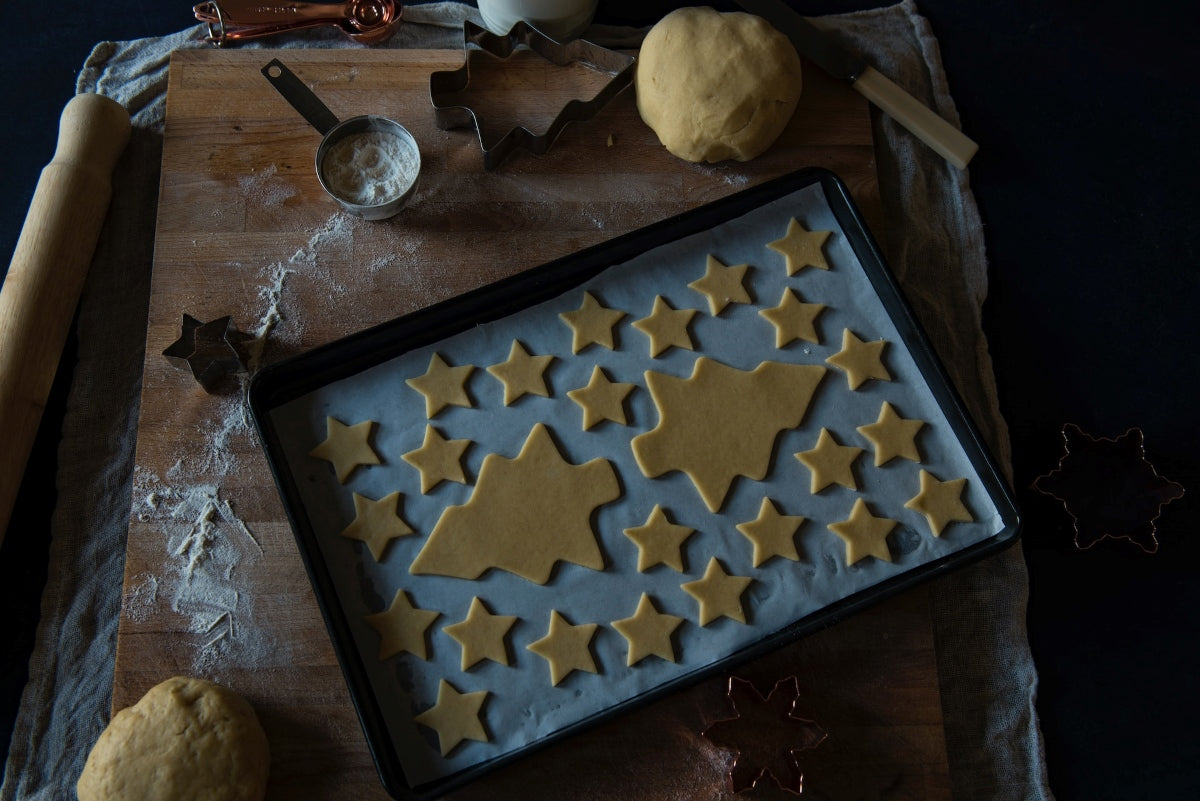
(438, 459)
(346, 447)
(648, 632)
(940, 502)
(865, 535)
(481, 635)
(772, 533)
(455, 717)
(1109, 488)
(402, 627)
(722, 422)
(722, 285)
(801, 248)
(602, 399)
(525, 515)
(666, 327)
(442, 385)
(718, 593)
(591, 324)
(376, 523)
(860, 360)
(793, 319)
(830, 463)
(659, 541)
(893, 436)
(566, 647)
(522, 373)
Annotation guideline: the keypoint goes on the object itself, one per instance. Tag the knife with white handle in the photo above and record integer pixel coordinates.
(811, 42)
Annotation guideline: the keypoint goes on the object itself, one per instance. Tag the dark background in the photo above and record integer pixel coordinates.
(1087, 118)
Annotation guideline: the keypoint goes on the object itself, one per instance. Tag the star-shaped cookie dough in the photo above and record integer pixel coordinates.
(860, 360)
(659, 541)
(801, 248)
(722, 285)
(346, 447)
(648, 632)
(481, 635)
(376, 523)
(772, 533)
(566, 647)
(402, 627)
(893, 436)
(438, 459)
(940, 502)
(442, 385)
(591, 324)
(666, 327)
(602, 399)
(719, 593)
(522, 373)
(830, 463)
(793, 319)
(865, 534)
(455, 717)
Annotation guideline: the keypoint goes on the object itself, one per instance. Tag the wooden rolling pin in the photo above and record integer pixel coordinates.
(49, 265)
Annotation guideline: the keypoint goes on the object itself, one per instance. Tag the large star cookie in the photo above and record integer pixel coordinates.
(455, 717)
(801, 248)
(376, 523)
(719, 593)
(648, 632)
(346, 447)
(442, 385)
(521, 374)
(772, 533)
(438, 459)
(865, 535)
(722, 285)
(666, 327)
(566, 647)
(659, 541)
(940, 502)
(481, 635)
(402, 627)
(592, 324)
(722, 422)
(525, 515)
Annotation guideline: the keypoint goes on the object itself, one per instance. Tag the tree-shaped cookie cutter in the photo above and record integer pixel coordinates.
(478, 41)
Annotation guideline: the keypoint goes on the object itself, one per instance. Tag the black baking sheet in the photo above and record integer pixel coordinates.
(362, 377)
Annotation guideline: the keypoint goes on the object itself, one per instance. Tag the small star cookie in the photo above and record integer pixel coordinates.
(521, 374)
(591, 324)
(566, 647)
(455, 717)
(719, 593)
(722, 285)
(771, 533)
(602, 399)
(940, 502)
(801, 248)
(481, 635)
(648, 632)
(865, 534)
(666, 327)
(793, 319)
(376, 523)
(438, 459)
(442, 385)
(860, 360)
(659, 541)
(346, 447)
(402, 627)
(830, 463)
(893, 436)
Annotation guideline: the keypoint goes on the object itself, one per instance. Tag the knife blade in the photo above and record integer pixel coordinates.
(820, 48)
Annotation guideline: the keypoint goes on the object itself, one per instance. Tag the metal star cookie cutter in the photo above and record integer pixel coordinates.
(211, 351)
(479, 41)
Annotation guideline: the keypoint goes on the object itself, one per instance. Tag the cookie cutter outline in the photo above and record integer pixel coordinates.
(477, 39)
(211, 351)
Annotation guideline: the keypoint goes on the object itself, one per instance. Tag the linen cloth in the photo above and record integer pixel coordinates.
(933, 241)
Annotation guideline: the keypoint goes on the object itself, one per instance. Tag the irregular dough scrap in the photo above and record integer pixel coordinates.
(723, 422)
(185, 740)
(716, 86)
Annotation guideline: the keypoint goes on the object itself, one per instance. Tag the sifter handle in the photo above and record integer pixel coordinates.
(48, 268)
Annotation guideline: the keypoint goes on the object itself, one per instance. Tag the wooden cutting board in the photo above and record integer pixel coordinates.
(214, 585)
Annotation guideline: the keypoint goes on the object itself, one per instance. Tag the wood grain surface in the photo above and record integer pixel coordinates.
(244, 229)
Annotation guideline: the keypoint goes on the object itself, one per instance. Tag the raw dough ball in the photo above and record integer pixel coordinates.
(186, 740)
(716, 86)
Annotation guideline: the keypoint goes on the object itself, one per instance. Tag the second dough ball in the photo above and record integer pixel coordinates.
(716, 86)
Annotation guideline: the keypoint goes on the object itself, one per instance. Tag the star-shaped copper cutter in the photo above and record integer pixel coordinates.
(1109, 488)
(445, 87)
(767, 735)
(212, 351)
